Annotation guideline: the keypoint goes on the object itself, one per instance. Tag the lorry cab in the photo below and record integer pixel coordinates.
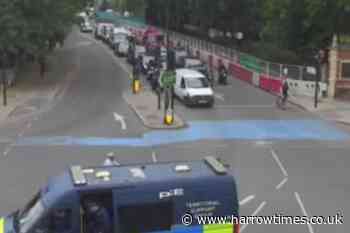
(193, 88)
(136, 198)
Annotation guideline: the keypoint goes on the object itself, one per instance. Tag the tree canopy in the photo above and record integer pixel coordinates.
(297, 25)
(33, 27)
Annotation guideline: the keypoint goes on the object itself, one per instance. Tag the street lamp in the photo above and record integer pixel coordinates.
(239, 37)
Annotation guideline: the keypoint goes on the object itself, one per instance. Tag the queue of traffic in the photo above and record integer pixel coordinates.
(164, 197)
(147, 50)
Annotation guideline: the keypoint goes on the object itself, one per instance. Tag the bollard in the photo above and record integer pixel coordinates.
(168, 119)
(136, 86)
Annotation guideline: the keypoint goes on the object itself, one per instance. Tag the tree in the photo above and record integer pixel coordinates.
(32, 28)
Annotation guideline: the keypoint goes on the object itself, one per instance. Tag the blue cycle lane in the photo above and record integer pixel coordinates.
(207, 130)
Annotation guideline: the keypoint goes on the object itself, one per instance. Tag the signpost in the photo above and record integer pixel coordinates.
(168, 79)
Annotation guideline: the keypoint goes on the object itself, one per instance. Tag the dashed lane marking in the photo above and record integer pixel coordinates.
(255, 213)
(303, 210)
(246, 200)
(283, 182)
(278, 161)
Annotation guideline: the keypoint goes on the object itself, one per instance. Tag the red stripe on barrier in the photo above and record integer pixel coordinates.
(241, 73)
(270, 84)
(276, 85)
(265, 83)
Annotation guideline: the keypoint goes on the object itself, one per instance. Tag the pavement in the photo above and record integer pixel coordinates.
(33, 93)
(330, 109)
(145, 105)
(292, 162)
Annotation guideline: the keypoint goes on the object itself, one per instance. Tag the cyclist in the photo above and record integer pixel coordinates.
(284, 94)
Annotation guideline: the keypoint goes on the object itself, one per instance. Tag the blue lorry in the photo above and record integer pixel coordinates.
(143, 198)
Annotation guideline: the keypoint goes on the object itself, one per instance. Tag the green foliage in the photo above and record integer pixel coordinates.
(33, 27)
(292, 25)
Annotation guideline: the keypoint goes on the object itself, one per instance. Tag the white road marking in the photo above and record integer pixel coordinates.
(120, 119)
(280, 185)
(278, 161)
(154, 157)
(261, 206)
(7, 150)
(246, 200)
(303, 210)
(20, 134)
(219, 96)
(263, 143)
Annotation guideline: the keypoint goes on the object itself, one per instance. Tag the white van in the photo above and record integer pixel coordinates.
(102, 30)
(118, 40)
(193, 88)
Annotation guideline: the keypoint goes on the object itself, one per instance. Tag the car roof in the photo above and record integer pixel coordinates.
(197, 172)
(189, 73)
(120, 30)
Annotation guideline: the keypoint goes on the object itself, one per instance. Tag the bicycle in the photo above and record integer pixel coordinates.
(281, 102)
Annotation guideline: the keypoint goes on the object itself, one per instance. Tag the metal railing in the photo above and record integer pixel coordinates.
(295, 72)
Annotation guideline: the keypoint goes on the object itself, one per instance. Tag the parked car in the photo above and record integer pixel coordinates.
(102, 29)
(86, 27)
(193, 88)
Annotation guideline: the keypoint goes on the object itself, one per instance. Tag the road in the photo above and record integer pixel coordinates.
(288, 162)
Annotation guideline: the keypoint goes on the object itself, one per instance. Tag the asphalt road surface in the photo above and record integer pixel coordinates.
(289, 162)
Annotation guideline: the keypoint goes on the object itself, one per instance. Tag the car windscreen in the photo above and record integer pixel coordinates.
(197, 67)
(197, 83)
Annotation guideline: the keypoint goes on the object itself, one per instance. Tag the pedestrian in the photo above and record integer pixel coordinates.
(110, 160)
(98, 218)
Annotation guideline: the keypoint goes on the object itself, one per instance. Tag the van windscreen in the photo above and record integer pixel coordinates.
(148, 217)
(197, 83)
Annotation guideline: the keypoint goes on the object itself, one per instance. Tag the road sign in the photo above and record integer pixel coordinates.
(168, 79)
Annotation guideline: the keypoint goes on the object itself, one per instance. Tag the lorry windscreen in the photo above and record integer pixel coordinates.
(31, 214)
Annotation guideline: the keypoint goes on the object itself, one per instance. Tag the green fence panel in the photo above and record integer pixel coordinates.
(251, 63)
